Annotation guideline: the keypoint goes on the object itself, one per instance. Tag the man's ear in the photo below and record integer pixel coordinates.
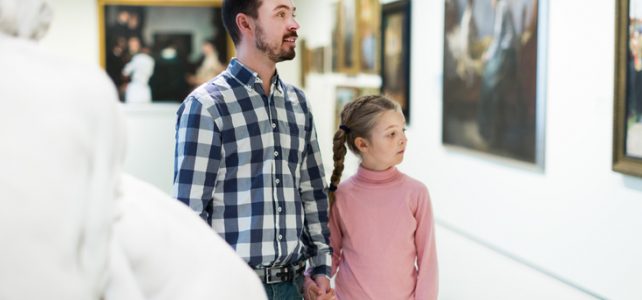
(361, 144)
(245, 24)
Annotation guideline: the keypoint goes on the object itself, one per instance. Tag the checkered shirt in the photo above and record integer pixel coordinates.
(250, 165)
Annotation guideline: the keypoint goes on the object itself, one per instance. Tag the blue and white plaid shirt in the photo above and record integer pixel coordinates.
(250, 165)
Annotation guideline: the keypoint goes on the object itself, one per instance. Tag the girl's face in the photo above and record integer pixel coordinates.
(387, 142)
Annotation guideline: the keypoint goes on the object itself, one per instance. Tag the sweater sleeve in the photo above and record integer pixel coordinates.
(427, 279)
(336, 238)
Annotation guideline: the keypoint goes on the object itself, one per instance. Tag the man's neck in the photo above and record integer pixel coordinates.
(259, 63)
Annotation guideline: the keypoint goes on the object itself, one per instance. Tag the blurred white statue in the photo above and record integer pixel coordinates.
(72, 226)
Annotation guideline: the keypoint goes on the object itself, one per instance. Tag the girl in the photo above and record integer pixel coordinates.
(381, 224)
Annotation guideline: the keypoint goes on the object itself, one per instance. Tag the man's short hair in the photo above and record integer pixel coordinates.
(231, 8)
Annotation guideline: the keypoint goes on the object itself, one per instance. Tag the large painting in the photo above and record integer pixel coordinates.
(492, 100)
(627, 138)
(155, 50)
(395, 53)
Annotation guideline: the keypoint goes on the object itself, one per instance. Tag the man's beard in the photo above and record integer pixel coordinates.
(277, 54)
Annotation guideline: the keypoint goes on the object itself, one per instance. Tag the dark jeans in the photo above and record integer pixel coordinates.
(292, 290)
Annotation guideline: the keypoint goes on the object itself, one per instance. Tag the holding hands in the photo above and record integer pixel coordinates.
(317, 289)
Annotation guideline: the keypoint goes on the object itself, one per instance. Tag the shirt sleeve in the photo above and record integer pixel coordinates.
(428, 278)
(315, 204)
(197, 157)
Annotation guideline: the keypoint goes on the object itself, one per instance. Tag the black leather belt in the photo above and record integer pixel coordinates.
(271, 275)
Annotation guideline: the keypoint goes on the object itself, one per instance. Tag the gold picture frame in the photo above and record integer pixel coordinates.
(174, 33)
(347, 31)
(627, 127)
(358, 36)
(369, 32)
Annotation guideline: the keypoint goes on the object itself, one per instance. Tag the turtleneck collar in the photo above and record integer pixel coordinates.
(367, 176)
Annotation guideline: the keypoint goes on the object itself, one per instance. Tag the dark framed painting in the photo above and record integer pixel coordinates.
(627, 135)
(155, 50)
(395, 53)
(493, 77)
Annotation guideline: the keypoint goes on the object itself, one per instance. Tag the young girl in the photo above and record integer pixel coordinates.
(381, 224)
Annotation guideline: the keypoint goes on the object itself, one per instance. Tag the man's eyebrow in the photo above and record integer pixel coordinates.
(285, 7)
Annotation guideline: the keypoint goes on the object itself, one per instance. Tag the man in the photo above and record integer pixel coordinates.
(71, 225)
(247, 156)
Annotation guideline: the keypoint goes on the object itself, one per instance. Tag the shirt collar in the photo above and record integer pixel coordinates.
(377, 177)
(249, 78)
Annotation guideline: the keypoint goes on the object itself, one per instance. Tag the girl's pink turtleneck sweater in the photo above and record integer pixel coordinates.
(382, 233)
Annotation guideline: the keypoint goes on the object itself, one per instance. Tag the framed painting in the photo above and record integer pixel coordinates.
(395, 53)
(627, 135)
(336, 37)
(317, 57)
(347, 32)
(156, 50)
(493, 77)
(369, 20)
(306, 58)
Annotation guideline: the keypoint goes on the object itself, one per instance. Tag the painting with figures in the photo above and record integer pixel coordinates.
(491, 93)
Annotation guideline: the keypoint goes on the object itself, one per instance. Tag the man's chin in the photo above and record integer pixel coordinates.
(287, 56)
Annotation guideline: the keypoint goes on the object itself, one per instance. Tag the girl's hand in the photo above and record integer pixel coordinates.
(311, 291)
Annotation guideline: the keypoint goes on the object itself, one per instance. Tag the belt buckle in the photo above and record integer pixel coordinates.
(269, 278)
(282, 275)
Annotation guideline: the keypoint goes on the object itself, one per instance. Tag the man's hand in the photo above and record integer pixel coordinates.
(318, 289)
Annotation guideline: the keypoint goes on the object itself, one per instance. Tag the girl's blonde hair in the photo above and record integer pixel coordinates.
(357, 120)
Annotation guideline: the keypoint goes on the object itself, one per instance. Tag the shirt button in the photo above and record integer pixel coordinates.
(279, 209)
(276, 153)
(280, 237)
(277, 181)
(273, 125)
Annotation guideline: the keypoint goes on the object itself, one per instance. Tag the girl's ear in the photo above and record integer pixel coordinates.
(361, 144)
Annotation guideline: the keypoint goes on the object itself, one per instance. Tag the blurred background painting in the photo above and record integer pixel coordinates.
(158, 52)
(490, 77)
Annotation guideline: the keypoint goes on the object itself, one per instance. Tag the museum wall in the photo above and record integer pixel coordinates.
(572, 221)
(575, 219)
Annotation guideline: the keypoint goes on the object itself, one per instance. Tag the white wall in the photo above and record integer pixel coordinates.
(576, 220)
(74, 30)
